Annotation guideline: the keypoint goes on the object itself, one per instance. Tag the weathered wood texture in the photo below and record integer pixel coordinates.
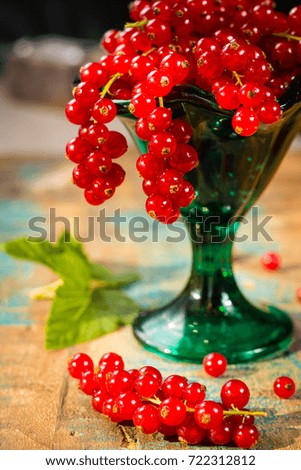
(40, 406)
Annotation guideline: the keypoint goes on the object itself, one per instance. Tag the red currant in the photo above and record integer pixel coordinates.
(215, 364)
(235, 393)
(284, 387)
(271, 261)
(78, 364)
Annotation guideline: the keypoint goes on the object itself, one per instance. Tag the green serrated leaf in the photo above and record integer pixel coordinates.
(66, 260)
(77, 317)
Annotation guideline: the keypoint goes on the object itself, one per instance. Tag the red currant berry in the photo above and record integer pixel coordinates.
(271, 261)
(194, 393)
(119, 381)
(181, 130)
(215, 364)
(159, 83)
(142, 105)
(162, 144)
(284, 387)
(97, 134)
(104, 110)
(81, 176)
(88, 383)
(176, 65)
(172, 411)
(221, 435)
(246, 436)
(185, 194)
(153, 371)
(184, 159)
(189, 432)
(116, 174)
(146, 418)
(160, 119)
(174, 385)
(149, 187)
(103, 187)
(98, 162)
(93, 73)
(75, 113)
(169, 182)
(98, 399)
(235, 393)
(86, 94)
(149, 166)
(113, 360)
(146, 385)
(208, 414)
(77, 150)
(127, 403)
(235, 55)
(269, 112)
(116, 145)
(245, 122)
(250, 94)
(91, 199)
(78, 364)
(227, 96)
(159, 207)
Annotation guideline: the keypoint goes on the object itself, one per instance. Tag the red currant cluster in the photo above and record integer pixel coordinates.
(245, 53)
(173, 406)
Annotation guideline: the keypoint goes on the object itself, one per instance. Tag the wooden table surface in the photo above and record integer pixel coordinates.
(40, 405)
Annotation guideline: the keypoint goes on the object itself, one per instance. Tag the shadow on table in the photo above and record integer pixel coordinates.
(283, 433)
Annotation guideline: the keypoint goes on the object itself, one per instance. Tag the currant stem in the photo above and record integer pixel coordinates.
(161, 103)
(235, 411)
(287, 36)
(238, 80)
(137, 24)
(145, 54)
(109, 84)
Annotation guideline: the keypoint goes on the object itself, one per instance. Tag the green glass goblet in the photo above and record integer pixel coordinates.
(211, 314)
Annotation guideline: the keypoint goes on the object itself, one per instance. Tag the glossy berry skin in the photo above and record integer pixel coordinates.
(88, 383)
(215, 364)
(119, 381)
(162, 144)
(269, 112)
(284, 387)
(112, 360)
(98, 399)
(116, 174)
(227, 96)
(86, 94)
(208, 414)
(91, 199)
(159, 207)
(149, 166)
(104, 110)
(77, 149)
(235, 55)
(172, 411)
(194, 393)
(98, 162)
(189, 432)
(181, 130)
(184, 159)
(160, 119)
(221, 435)
(159, 83)
(245, 122)
(93, 73)
(146, 385)
(78, 364)
(103, 188)
(174, 385)
(97, 134)
(76, 113)
(116, 144)
(146, 418)
(153, 371)
(169, 182)
(235, 393)
(142, 105)
(246, 436)
(127, 403)
(185, 194)
(271, 261)
(81, 176)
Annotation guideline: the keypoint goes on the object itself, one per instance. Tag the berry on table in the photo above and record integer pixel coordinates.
(78, 364)
(271, 261)
(246, 436)
(215, 364)
(235, 393)
(284, 387)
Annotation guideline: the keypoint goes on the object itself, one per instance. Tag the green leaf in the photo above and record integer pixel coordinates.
(65, 259)
(77, 317)
(111, 280)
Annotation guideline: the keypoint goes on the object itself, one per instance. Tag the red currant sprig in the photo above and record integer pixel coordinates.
(173, 406)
